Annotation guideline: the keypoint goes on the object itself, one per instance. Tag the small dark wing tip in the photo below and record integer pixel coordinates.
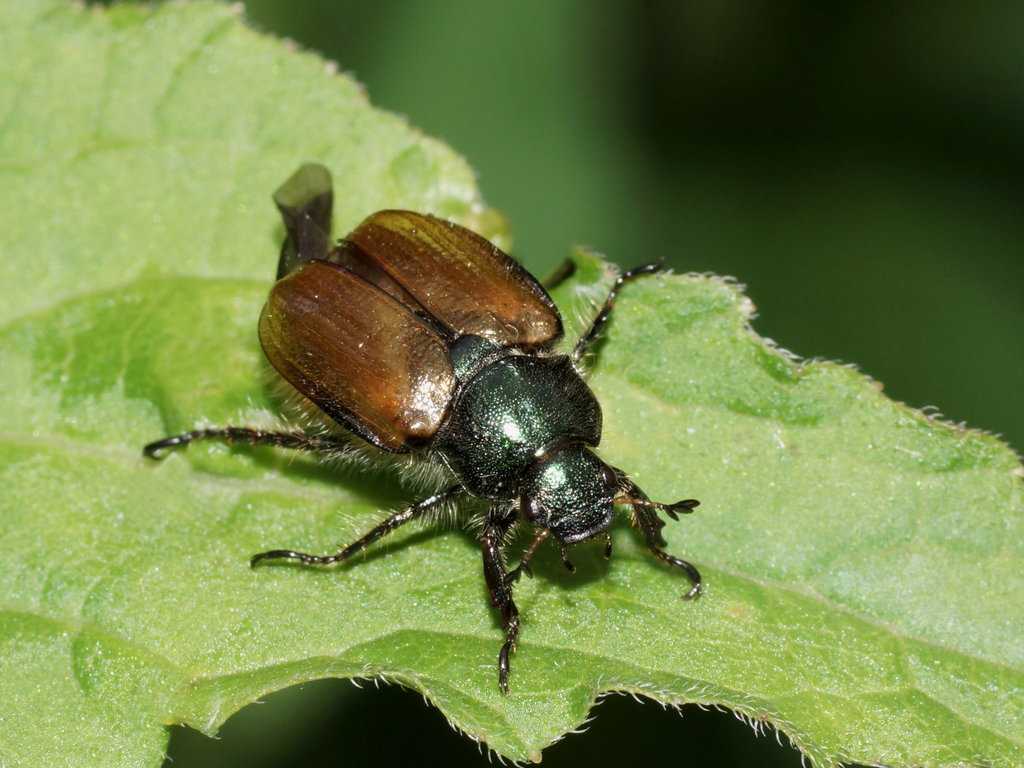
(310, 181)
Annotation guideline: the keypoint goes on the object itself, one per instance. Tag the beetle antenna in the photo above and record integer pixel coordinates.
(607, 546)
(527, 556)
(650, 525)
(686, 506)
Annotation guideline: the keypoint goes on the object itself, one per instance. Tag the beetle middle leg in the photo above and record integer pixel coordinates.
(379, 531)
(597, 324)
(500, 587)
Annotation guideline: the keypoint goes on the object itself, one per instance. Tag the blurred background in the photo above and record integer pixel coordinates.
(860, 168)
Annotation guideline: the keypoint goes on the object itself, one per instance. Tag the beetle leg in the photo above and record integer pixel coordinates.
(500, 588)
(646, 519)
(562, 272)
(300, 441)
(566, 561)
(599, 321)
(305, 201)
(688, 568)
(378, 532)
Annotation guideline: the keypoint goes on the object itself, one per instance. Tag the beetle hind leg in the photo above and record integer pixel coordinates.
(299, 441)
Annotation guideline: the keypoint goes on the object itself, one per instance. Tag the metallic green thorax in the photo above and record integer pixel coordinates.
(513, 412)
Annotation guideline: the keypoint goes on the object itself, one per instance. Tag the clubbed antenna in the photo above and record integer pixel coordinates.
(646, 519)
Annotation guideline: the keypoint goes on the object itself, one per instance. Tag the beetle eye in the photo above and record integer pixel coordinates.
(534, 512)
(611, 479)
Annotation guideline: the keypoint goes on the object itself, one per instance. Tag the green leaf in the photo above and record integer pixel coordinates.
(863, 561)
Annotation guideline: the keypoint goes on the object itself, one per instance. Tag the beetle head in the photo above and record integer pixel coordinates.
(570, 493)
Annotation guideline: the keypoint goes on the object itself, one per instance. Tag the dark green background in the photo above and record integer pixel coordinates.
(859, 168)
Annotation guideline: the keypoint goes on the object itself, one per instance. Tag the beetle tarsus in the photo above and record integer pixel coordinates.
(507, 648)
(567, 562)
(646, 519)
(158, 449)
(528, 553)
(562, 272)
(601, 318)
(305, 201)
(500, 588)
(298, 441)
(516, 573)
(687, 567)
(287, 554)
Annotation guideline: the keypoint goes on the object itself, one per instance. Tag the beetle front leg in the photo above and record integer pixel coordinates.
(500, 587)
(524, 561)
(685, 565)
(646, 519)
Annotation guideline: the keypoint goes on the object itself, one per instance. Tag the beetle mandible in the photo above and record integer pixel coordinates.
(420, 337)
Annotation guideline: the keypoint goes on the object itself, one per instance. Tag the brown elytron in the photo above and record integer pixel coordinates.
(364, 331)
(454, 275)
(359, 354)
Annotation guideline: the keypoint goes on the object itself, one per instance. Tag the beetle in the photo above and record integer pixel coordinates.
(420, 337)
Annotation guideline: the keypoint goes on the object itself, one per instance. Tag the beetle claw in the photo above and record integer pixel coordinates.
(689, 569)
(514, 575)
(160, 448)
(503, 667)
(567, 562)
